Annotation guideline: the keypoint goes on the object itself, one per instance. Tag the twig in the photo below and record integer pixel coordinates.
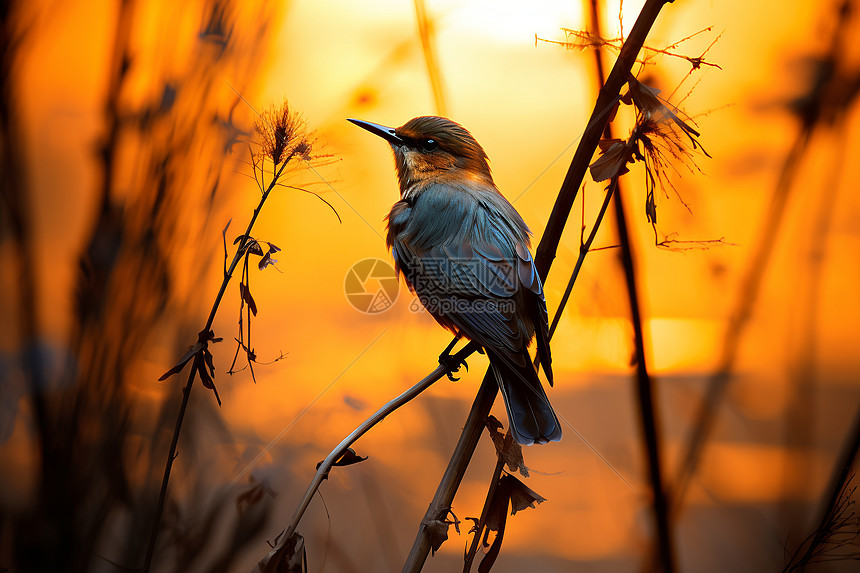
(482, 522)
(607, 97)
(326, 465)
(584, 249)
(799, 423)
(186, 391)
(425, 31)
(647, 413)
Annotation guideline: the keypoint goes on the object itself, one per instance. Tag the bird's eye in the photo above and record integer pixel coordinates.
(429, 144)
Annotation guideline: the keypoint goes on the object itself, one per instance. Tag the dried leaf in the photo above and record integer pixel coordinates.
(654, 109)
(437, 530)
(183, 361)
(509, 491)
(266, 261)
(506, 447)
(241, 237)
(522, 497)
(606, 143)
(205, 378)
(497, 516)
(245, 293)
(207, 336)
(203, 339)
(289, 557)
(612, 163)
(207, 359)
(347, 458)
(492, 553)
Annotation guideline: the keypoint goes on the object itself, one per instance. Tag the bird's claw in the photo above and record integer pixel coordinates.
(452, 365)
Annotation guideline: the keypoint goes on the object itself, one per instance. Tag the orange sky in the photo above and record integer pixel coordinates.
(527, 105)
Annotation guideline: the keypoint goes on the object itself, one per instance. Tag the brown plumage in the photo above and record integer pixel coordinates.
(464, 250)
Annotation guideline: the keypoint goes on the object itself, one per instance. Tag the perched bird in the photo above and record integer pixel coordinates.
(464, 251)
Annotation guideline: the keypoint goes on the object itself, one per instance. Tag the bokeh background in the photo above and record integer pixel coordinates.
(127, 133)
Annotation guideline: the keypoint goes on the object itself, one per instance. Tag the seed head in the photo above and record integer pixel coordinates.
(283, 134)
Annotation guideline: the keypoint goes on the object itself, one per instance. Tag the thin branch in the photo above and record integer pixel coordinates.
(482, 522)
(317, 195)
(186, 392)
(425, 31)
(584, 249)
(338, 451)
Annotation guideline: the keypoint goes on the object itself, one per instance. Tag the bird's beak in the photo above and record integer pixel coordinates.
(386, 133)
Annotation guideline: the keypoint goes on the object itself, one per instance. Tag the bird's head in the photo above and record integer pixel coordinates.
(429, 148)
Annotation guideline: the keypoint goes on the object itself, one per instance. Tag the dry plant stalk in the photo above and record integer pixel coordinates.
(283, 137)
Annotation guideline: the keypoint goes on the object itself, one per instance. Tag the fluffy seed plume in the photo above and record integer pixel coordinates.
(283, 134)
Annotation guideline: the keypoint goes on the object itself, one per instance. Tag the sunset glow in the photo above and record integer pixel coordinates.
(132, 167)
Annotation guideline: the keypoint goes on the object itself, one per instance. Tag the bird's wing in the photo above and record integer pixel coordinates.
(473, 286)
(466, 257)
(535, 303)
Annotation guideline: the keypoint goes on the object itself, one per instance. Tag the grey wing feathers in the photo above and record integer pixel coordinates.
(536, 307)
(452, 248)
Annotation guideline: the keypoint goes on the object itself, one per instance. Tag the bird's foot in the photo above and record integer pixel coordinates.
(452, 362)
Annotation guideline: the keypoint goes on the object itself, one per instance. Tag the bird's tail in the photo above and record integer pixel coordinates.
(531, 417)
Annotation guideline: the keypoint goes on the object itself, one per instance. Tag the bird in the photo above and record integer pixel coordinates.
(463, 250)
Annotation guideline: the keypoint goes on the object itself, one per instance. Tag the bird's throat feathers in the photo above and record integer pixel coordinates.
(417, 171)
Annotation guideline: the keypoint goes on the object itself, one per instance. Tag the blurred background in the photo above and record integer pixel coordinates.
(127, 129)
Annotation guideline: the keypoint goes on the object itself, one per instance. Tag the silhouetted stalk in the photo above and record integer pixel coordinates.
(17, 211)
(583, 251)
(822, 97)
(805, 372)
(545, 254)
(186, 391)
(717, 382)
(425, 33)
(326, 465)
(482, 522)
(340, 449)
(833, 493)
(647, 412)
(799, 420)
